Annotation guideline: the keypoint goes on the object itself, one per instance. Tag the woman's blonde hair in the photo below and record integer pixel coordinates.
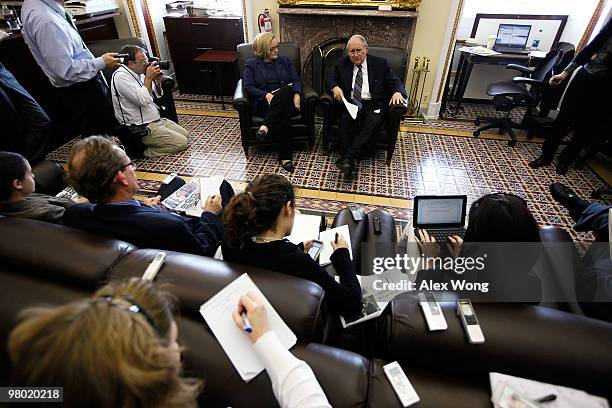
(110, 350)
(261, 44)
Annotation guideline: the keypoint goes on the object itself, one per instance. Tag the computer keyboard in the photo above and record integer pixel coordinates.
(441, 235)
(511, 50)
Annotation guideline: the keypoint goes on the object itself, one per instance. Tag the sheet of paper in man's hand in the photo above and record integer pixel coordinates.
(352, 109)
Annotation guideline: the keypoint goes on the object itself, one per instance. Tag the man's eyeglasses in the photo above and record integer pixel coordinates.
(129, 164)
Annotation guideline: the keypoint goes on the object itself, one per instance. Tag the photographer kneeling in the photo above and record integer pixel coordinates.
(132, 87)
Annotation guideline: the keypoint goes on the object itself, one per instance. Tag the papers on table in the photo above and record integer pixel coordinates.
(208, 186)
(370, 310)
(305, 228)
(479, 50)
(389, 276)
(352, 109)
(503, 386)
(537, 54)
(327, 237)
(218, 314)
(70, 193)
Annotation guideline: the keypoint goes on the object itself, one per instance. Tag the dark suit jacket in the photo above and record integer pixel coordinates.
(258, 85)
(148, 227)
(382, 80)
(595, 46)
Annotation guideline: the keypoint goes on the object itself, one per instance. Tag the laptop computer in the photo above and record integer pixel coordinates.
(441, 215)
(512, 39)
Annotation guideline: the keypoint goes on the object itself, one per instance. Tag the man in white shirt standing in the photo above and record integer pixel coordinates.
(133, 86)
(59, 50)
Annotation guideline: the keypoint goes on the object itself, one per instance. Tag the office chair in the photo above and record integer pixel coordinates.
(531, 91)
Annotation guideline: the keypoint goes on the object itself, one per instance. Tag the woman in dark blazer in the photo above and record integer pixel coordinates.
(274, 87)
(256, 223)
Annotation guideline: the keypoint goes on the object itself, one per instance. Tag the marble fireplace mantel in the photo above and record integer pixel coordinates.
(310, 26)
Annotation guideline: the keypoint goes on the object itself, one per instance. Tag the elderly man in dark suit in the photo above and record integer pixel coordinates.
(369, 83)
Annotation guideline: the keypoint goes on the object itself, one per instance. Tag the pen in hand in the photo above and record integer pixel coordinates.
(336, 240)
(246, 324)
(547, 398)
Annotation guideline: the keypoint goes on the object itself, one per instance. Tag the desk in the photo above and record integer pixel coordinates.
(464, 70)
(218, 57)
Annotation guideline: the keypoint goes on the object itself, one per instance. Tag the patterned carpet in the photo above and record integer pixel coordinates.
(422, 164)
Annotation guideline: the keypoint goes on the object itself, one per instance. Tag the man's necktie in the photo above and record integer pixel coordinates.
(357, 87)
(69, 19)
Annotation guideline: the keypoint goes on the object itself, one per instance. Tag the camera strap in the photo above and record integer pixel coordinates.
(114, 85)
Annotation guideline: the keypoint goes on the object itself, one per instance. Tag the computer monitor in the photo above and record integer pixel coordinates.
(439, 211)
(512, 35)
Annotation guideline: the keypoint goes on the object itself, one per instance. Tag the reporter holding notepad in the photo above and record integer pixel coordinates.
(293, 381)
(256, 223)
(120, 348)
(274, 87)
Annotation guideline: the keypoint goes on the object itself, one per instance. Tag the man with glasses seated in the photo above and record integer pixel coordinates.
(133, 86)
(369, 83)
(101, 171)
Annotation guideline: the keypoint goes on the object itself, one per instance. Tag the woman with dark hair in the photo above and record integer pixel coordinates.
(274, 87)
(503, 233)
(17, 196)
(256, 223)
(119, 348)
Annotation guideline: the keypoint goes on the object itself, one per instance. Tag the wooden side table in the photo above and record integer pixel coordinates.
(218, 58)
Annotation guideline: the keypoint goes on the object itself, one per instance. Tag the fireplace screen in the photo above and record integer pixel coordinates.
(396, 4)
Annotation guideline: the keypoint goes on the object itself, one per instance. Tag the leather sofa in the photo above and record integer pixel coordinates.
(46, 263)
(50, 264)
(534, 342)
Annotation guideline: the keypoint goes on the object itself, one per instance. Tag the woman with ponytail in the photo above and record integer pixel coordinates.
(256, 223)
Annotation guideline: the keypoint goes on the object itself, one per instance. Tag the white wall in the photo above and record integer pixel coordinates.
(579, 12)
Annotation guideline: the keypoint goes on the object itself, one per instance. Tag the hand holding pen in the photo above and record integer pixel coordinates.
(339, 242)
(250, 317)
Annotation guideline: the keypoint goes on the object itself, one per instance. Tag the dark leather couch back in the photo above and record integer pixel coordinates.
(534, 342)
(48, 264)
(290, 50)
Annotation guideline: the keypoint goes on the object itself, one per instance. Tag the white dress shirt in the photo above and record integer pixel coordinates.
(365, 85)
(293, 381)
(56, 46)
(133, 98)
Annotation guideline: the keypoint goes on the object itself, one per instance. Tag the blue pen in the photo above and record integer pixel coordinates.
(246, 324)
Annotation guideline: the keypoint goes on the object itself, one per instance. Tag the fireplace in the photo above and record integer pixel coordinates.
(310, 27)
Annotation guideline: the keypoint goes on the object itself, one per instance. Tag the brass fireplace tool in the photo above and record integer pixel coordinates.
(417, 85)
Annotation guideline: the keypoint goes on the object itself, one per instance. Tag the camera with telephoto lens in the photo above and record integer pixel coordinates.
(161, 64)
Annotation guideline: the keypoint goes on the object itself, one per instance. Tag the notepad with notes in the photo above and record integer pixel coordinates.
(217, 312)
(327, 237)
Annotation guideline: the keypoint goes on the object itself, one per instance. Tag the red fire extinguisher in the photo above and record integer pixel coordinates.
(265, 21)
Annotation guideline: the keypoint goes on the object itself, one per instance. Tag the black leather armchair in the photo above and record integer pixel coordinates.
(386, 136)
(166, 101)
(302, 125)
(530, 90)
